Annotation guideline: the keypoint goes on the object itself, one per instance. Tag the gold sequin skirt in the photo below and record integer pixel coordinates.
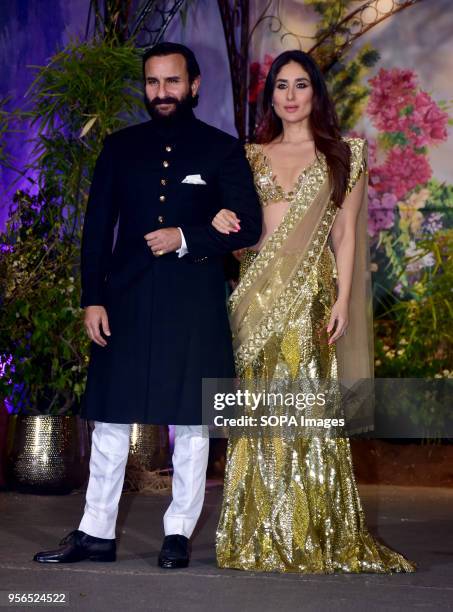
(291, 504)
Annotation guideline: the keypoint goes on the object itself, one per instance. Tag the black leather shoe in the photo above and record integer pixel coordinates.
(174, 552)
(77, 546)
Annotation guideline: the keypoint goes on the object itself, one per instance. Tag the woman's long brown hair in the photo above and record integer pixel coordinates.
(323, 121)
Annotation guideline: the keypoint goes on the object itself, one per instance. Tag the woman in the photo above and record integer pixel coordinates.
(290, 501)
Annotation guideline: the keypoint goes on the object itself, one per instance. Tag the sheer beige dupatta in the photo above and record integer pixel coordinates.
(275, 280)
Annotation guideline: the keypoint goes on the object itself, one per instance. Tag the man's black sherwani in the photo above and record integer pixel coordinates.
(168, 318)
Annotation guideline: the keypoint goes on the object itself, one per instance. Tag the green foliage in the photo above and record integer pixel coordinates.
(414, 337)
(5, 120)
(41, 324)
(345, 84)
(344, 76)
(441, 200)
(87, 90)
(87, 81)
(417, 406)
(389, 256)
(8, 125)
(330, 11)
(388, 140)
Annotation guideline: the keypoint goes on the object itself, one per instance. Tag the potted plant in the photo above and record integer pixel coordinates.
(86, 91)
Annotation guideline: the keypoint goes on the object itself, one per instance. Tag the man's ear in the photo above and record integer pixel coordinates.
(195, 86)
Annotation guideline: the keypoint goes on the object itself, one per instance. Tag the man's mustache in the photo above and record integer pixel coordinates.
(157, 101)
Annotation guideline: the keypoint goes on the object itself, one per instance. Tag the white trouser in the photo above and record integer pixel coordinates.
(109, 453)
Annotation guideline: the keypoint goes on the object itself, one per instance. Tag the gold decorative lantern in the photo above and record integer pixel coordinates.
(47, 454)
(149, 444)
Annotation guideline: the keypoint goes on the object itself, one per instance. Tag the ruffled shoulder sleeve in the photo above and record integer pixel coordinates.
(359, 160)
(251, 152)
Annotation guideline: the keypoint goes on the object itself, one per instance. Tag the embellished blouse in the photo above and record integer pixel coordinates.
(270, 191)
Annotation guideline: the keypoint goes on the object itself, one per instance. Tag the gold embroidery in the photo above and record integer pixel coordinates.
(308, 189)
(290, 499)
(265, 181)
(359, 160)
(247, 351)
(310, 182)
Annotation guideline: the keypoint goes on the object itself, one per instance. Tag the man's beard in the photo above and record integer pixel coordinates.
(182, 108)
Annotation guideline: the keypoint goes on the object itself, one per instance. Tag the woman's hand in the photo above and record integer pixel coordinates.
(339, 318)
(226, 221)
(239, 253)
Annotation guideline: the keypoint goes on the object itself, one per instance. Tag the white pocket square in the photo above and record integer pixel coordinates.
(194, 179)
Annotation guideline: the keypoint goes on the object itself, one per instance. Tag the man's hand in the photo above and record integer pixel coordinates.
(95, 317)
(164, 240)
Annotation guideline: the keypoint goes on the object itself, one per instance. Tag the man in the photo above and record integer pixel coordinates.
(155, 308)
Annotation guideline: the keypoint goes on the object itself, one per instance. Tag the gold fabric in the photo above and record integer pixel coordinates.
(265, 182)
(290, 501)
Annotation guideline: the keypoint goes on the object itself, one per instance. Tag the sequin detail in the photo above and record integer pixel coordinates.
(265, 181)
(309, 187)
(292, 504)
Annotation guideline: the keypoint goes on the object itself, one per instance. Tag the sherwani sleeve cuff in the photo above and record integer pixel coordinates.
(183, 250)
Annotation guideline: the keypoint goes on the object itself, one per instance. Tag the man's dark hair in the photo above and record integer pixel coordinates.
(169, 48)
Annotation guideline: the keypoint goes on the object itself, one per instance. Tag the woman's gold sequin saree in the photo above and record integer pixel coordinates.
(290, 502)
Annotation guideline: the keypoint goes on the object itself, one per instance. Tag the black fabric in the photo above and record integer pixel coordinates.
(167, 315)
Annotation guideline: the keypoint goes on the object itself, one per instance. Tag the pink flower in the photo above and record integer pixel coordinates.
(427, 121)
(403, 170)
(393, 90)
(258, 73)
(389, 201)
(396, 105)
(372, 151)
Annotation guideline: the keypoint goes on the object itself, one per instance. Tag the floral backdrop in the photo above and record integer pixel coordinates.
(381, 96)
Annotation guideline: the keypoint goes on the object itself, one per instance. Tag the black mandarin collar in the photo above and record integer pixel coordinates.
(174, 130)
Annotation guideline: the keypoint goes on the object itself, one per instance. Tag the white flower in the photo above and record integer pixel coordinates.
(425, 261)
